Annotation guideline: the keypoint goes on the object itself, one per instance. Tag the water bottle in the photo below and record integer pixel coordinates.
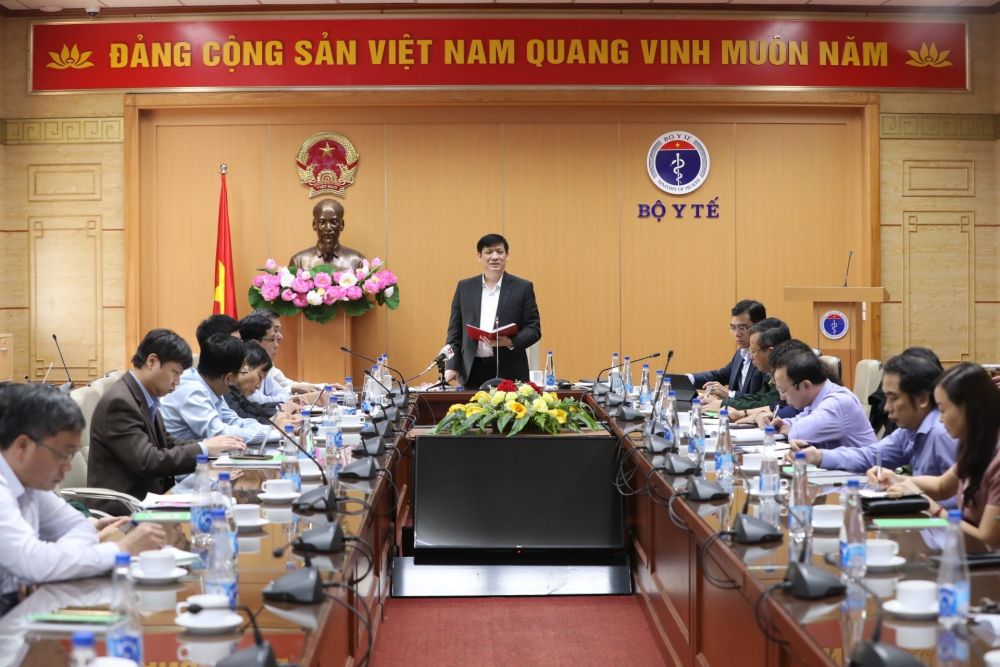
(333, 439)
(550, 372)
(645, 396)
(952, 647)
(770, 478)
(724, 449)
(350, 402)
(125, 637)
(201, 511)
(659, 389)
(226, 501)
(306, 432)
(615, 375)
(83, 653)
(852, 534)
(290, 459)
(627, 376)
(799, 512)
(953, 575)
(696, 441)
(220, 576)
(675, 419)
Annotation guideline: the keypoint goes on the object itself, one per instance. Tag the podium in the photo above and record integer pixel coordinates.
(837, 314)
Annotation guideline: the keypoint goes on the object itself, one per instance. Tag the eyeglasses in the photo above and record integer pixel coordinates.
(759, 350)
(62, 457)
(783, 392)
(741, 328)
(270, 339)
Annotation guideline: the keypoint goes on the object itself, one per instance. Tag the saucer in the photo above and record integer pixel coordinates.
(894, 607)
(256, 524)
(755, 491)
(194, 624)
(890, 564)
(173, 575)
(266, 496)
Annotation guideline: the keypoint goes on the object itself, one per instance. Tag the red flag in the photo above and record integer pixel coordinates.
(225, 288)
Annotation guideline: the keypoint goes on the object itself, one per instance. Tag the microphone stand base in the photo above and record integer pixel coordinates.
(255, 656)
(302, 586)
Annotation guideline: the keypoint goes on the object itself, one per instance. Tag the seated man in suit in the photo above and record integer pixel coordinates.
(920, 441)
(831, 415)
(485, 301)
(739, 375)
(264, 327)
(197, 409)
(42, 538)
(217, 324)
(130, 450)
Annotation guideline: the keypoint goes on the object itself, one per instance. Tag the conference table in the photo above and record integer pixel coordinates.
(721, 608)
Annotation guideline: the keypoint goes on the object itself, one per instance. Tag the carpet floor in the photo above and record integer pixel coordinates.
(515, 632)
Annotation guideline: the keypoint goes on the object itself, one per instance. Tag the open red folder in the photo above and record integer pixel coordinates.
(475, 333)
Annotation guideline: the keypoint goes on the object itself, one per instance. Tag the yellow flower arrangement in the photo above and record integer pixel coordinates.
(510, 407)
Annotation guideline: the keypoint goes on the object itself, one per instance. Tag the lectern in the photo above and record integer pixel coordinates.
(838, 325)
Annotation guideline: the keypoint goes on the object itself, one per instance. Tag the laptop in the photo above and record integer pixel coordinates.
(681, 384)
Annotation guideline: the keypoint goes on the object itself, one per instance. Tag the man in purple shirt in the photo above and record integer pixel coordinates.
(921, 440)
(831, 415)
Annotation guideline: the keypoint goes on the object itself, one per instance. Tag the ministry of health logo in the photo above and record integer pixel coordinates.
(678, 162)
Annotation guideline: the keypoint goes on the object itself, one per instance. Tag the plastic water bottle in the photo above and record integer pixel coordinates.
(724, 449)
(645, 396)
(290, 459)
(627, 376)
(770, 478)
(350, 402)
(306, 439)
(852, 534)
(550, 372)
(83, 653)
(799, 512)
(953, 575)
(125, 638)
(696, 441)
(201, 511)
(658, 389)
(333, 439)
(226, 501)
(952, 648)
(615, 375)
(221, 577)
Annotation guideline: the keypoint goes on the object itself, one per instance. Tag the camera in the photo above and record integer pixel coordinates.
(93, 11)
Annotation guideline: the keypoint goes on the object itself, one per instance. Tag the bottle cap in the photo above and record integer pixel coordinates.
(218, 513)
(348, 379)
(768, 430)
(306, 410)
(954, 516)
(800, 456)
(628, 358)
(853, 484)
(724, 412)
(328, 387)
(83, 639)
(645, 367)
(289, 428)
(123, 559)
(696, 401)
(672, 393)
(223, 476)
(201, 458)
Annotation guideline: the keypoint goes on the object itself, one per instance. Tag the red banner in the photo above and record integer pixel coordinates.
(485, 52)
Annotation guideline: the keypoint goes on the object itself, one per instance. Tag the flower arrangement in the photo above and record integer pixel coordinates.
(510, 406)
(321, 292)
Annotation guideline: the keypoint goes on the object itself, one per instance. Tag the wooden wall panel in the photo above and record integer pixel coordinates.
(440, 211)
(65, 296)
(560, 203)
(14, 260)
(938, 287)
(799, 211)
(64, 182)
(678, 274)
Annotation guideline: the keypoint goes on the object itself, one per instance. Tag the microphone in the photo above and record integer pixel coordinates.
(656, 396)
(597, 381)
(302, 586)
(69, 381)
(850, 253)
(445, 354)
(321, 499)
(386, 415)
(404, 390)
(751, 530)
(259, 655)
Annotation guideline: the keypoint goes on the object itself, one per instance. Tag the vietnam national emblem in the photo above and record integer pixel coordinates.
(327, 162)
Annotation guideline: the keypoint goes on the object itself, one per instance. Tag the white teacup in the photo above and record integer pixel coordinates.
(826, 545)
(205, 652)
(538, 377)
(156, 563)
(916, 594)
(828, 515)
(350, 421)
(752, 461)
(246, 513)
(924, 636)
(153, 600)
(880, 552)
(214, 607)
(281, 487)
(991, 659)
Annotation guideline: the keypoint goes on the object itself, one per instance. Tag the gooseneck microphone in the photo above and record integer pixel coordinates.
(69, 381)
(403, 388)
(656, 396)
(261, 654)
(321, 499)
(597, 380)
(850, 254)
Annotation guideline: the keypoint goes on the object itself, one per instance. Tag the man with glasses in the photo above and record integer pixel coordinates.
(42, 538)
(831, 414)
(739, 375)
(130, 450)
(264, 327)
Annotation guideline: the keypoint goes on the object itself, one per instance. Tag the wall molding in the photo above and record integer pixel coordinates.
(967, 126)
(108, 130)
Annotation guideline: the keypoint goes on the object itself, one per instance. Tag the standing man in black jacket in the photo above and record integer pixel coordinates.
(495, 298)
